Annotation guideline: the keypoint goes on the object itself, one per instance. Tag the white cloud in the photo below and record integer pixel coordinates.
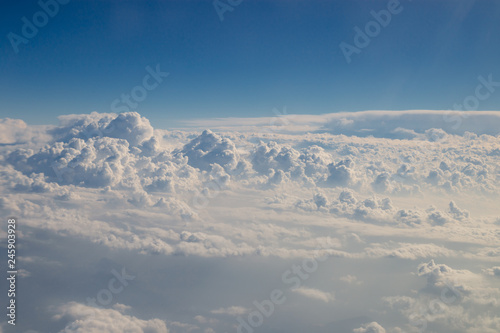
(494, 271)
(129, 126)
(469, 286)
(460, 300)
(85, 319)
(372, 327)
(378, 123)
(209, 148)
(12, 130)
(350, 279)
(381, 204)
(315, 294)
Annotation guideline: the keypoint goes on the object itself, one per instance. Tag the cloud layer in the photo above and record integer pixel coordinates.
(389, 200)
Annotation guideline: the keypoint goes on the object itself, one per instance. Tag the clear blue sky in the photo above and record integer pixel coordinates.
(264, 54)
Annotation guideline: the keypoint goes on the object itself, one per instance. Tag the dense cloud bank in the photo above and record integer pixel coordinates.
(412, 124)
(356, 187)
(422, 124)
(100, 150)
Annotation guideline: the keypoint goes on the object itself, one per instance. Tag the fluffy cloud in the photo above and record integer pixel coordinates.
(129, 126)
(372, 327)
(241, 205)
(341, 173)
(85, 319)
(494, 271)
(392, 124)
(469, 286)
(208, 149)
(459, 300)
(315, 294)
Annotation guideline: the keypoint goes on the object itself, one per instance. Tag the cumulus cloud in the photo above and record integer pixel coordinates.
(130, 126)
(208, 149)
(82, 318)
(390, 124)
(466, 284)
(390, 193)
(494, 271)
(341, 173)
(315, 294)
(16, 132)
(460, 300)
(231, 311)
(12, 130)
(372, 327)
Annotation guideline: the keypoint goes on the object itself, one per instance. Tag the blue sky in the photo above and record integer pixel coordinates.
(264, 54)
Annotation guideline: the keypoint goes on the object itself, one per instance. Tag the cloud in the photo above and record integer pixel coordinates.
(457, 213)
(411, 124)
(468, 285)
(459, 300)
(350, 279)
(112, 184)
(315, 294)
(408, 250)
(81, 318)
(209, 148)
(434, 124)
(129, 126)
(231, 311)
(341, 173)
(15, 132)
(494, 271)
(372, 327)
(274, 156)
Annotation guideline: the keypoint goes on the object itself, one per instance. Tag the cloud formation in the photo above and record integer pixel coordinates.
(236, 207)
(372, 327)
(82, 318)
